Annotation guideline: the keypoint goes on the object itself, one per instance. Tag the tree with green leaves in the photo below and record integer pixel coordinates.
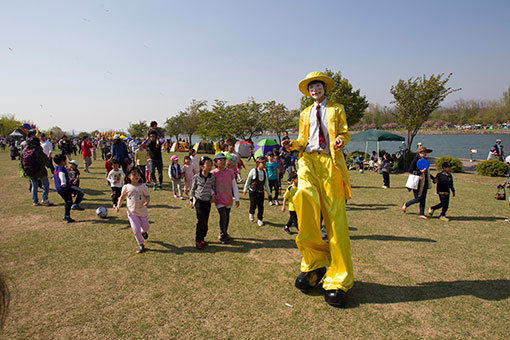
(56, 132)
(277, 119)
(216, 123)
(416, 99)
(247, 119)
(138, 129)
(173, 126)
(354, 103)
(7, 124)
(190, 117)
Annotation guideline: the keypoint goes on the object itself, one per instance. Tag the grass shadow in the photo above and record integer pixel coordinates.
(391, 238)
(375, 293)
(93, 192)
(237, 245)
(167, 206)
(478, 218)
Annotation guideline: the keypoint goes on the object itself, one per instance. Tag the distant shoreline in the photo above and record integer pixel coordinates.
(448, 132)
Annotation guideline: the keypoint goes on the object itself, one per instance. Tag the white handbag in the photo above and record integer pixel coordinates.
(413, 181)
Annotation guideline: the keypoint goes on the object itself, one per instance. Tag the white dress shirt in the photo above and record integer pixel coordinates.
(313, 133)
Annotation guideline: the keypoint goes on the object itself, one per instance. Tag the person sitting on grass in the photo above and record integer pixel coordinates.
(289, 197)
(138, 199)
(444, 182)
(65, 189)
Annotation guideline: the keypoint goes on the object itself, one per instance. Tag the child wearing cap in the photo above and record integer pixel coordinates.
(256, 183)
(272, 175)
(74, 173)
(444, 182)
(175, 173)
(226, 193)
(289, 197)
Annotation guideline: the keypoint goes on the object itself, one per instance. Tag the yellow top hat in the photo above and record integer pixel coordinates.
(303, 84)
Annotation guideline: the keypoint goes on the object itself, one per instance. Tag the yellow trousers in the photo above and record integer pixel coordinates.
(320, 191)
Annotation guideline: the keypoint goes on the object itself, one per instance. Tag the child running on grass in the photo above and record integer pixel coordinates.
(175, 174)
(256, 182)
(444, 182)
(201, 197)
(289, 197)
(226, 193)
(115, 177)
(65, 189)
(138, 198)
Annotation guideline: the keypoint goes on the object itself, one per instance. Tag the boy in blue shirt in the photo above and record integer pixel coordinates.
(65, 189)
(272, 176)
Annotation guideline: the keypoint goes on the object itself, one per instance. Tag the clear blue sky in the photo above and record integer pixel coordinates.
(88, 65)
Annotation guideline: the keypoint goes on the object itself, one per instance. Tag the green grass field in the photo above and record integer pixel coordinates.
(413, 278)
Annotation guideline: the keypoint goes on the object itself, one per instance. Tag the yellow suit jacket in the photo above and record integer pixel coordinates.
(337, 128)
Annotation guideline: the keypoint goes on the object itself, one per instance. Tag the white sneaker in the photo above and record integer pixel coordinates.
(270, 202)
(384, 187)
(252, 218)
(47, 203)
(276, 202)
(260, 223)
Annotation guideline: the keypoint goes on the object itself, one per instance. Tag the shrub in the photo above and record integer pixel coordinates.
(491, 168)
(455, 162)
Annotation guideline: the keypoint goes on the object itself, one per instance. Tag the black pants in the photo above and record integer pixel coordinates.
(116, 191)
(444, 203)
(292, 219)
(156, 164)
(386, 179)
(257, 201)
(68, 199)
(224, 213)
(203, 209)
(273, 184)
(419, 199)
(104, 153)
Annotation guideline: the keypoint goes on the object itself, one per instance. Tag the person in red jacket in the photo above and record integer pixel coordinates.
(86, 151)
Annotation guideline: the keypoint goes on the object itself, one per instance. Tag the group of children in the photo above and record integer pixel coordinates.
(204, 186)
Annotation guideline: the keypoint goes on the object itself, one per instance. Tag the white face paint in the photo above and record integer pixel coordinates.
(317, 91)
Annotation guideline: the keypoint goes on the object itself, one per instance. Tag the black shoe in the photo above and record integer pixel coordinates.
(307, 281)
(224, 238)
(145, 235)
(286, 229)
(68, 219)
(335, 297)
(141, 249)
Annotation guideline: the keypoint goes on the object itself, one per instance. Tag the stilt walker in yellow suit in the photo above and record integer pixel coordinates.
(323, 188)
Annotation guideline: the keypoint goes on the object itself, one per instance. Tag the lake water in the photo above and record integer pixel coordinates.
(456, 146)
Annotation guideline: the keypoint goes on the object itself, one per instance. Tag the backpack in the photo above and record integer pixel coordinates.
(29, 162)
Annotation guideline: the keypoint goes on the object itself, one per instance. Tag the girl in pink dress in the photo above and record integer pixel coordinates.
(189, 171)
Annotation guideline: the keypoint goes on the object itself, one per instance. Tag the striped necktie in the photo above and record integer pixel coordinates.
(322, 138)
